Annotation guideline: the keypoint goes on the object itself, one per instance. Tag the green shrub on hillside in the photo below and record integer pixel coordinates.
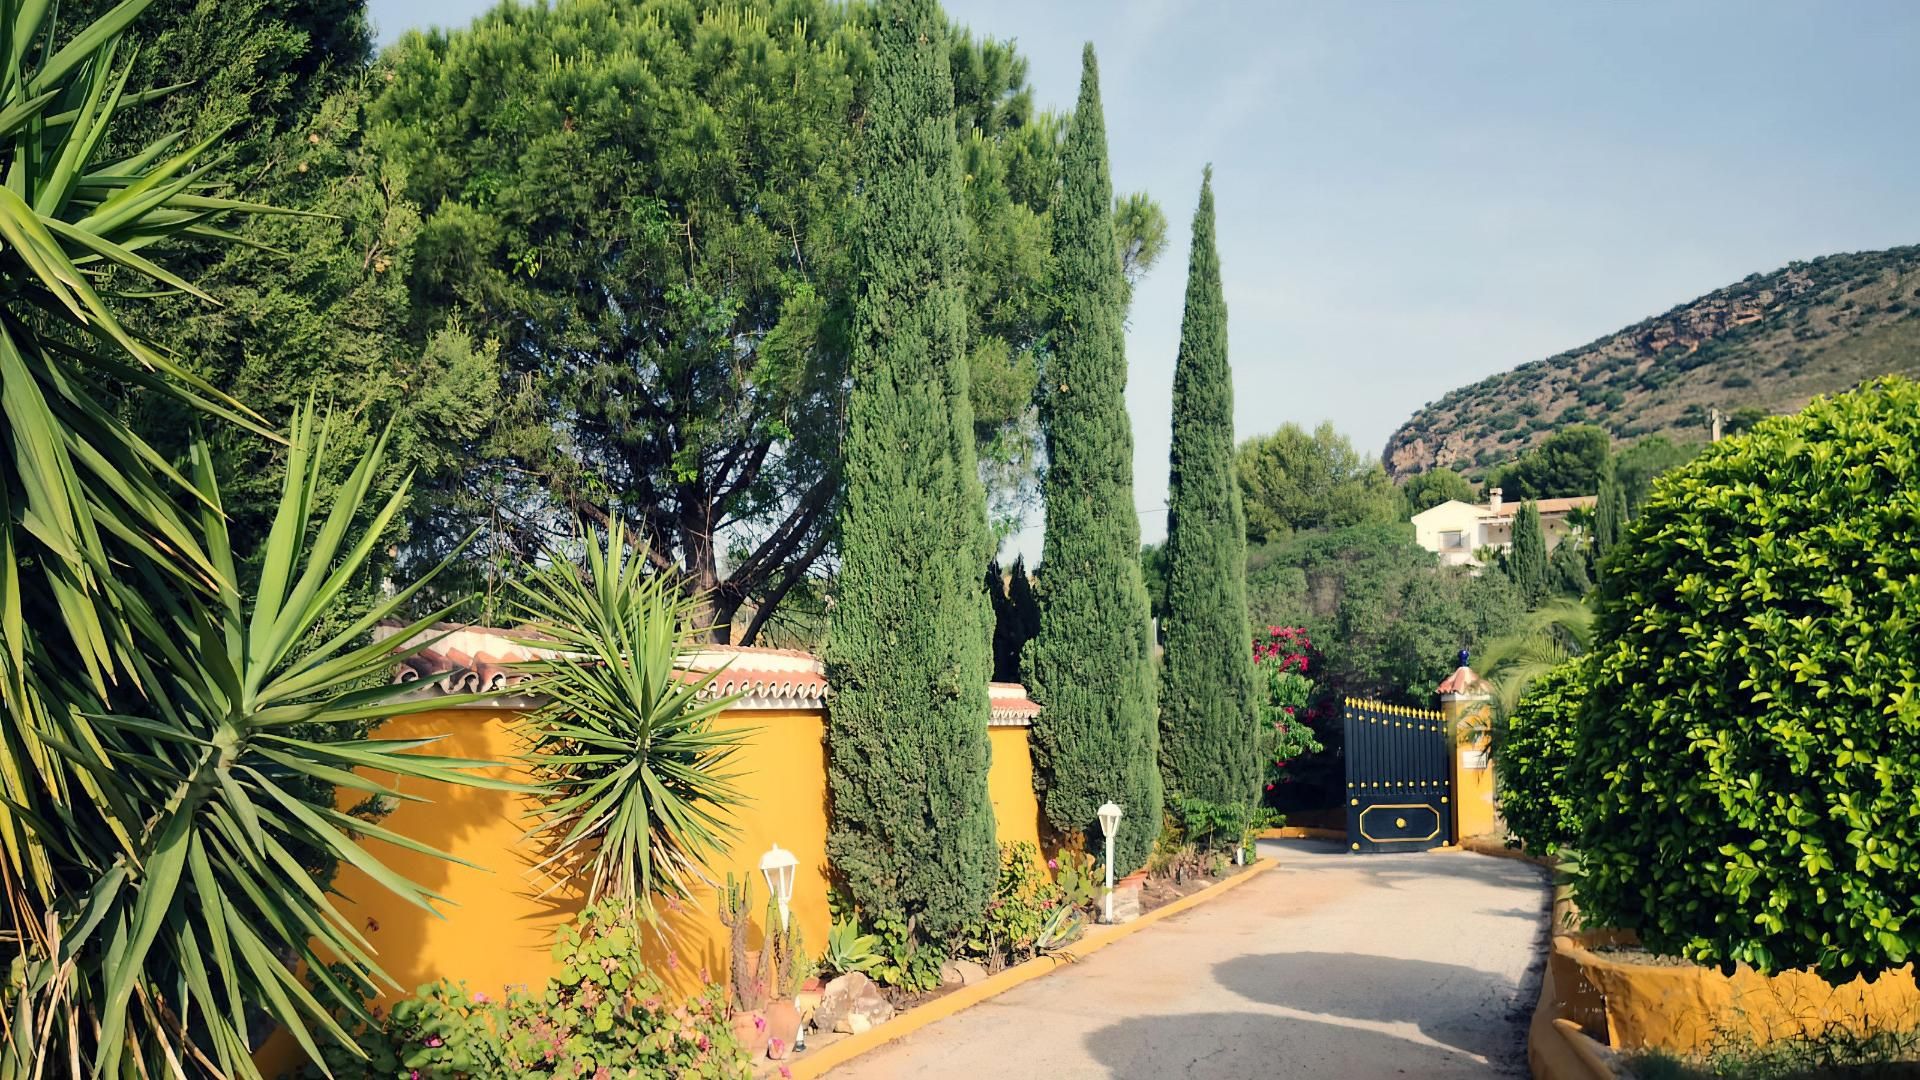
(1531, 758)
(1749, 754)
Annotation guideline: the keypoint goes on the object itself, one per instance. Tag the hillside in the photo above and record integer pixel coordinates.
(1771, 342)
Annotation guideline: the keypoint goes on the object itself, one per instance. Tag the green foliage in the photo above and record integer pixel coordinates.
(1091, 665)
(848, 949)
(631, 774)
(910, 650)
(1385, 617)
(1745, 756)
(1568, 572)
(1570, 462)
(1206, 684)
(664, 263)
(1636, 467)
(1527, 562)
(604, 1014)
(1533, 749)
(1016, 617)
(1215, 827)
(1025, 903)
(1610, 514)
(1429, 489)
(905, 958)
(1293, 479)
(660, 226)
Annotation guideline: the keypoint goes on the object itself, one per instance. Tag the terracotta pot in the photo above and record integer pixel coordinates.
(1131, 881)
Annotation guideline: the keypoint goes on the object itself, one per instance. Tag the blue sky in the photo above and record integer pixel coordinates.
(1413, 196)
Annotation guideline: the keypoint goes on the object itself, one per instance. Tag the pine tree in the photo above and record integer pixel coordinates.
(1091, 665)
(1206, 690)
(909, 650)
(1528, 561)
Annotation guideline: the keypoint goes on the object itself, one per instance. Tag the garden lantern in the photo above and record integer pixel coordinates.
(777, 867)
(1109, 824)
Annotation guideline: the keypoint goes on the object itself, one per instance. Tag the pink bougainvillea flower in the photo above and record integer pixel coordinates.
(1053, 864)
(786, 1073)
(1269, 787)
(479, 997)
(759, 1022)
(774, 1045)
(434, 1040)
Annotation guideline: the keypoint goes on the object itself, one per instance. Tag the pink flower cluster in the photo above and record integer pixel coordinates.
(1285, 645)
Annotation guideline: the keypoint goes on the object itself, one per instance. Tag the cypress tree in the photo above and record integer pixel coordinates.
(1022, 609)
(1006, 640)
(909, 652)
(1206, 688)
(1609, 514)
(1091, 665)
(1528, 560)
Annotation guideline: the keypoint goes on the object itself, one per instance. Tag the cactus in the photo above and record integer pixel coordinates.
(747, 989)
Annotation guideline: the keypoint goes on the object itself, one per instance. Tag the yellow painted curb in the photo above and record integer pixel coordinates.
(1303, 832)
(818, 1063)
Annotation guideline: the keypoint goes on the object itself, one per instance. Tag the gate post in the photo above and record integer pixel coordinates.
(1466, 704)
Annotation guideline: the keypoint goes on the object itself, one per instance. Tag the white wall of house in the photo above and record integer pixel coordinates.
(1453, 530)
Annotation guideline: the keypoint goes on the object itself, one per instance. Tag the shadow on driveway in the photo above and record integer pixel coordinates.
(1461, 1007)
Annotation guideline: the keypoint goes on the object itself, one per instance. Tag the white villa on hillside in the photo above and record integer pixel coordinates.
(1456, 531)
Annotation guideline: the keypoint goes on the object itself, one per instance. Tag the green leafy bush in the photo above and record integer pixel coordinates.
(602, 1016)
(1531, 758)
(1026, 904)
(1748, 754)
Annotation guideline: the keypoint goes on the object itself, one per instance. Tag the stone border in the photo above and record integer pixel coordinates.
(814, 1064)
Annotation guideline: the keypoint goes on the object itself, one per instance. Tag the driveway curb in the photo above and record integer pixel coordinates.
(818, 1063)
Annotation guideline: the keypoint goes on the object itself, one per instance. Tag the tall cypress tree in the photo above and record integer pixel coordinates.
(1528, 560)
(1609, 514)
(1206, 688)
(1022, 610)
(1091, 665)
(909, 652)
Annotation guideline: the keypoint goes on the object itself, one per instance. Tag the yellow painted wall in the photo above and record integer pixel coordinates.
(498, 930)
(1472, 794)
(1016, 812)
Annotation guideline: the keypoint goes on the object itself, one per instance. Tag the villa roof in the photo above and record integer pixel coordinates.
(485, 660)
(1545, 506)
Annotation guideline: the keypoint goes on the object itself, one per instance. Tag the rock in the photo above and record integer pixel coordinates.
(950, 974)
(783, 1024)
(970, 972)
(851, 1004)
(750, 1031)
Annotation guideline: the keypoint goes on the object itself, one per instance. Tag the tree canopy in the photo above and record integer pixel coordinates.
(1296, 479)
(1429, 489)
(1569, 463)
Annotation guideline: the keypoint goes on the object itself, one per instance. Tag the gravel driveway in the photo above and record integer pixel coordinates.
(1333, 965)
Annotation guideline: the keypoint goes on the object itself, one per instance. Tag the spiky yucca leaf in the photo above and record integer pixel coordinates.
(634, 786)
(192, 953)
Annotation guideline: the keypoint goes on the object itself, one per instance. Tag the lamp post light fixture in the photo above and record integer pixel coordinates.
(777, 867)
(1110, 824)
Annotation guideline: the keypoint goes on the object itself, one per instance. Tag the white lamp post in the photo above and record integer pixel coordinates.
(1110, 824)
(777, 867)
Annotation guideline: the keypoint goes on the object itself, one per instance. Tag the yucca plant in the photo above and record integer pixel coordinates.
(82, 498)
(634, 789)
(179, 958)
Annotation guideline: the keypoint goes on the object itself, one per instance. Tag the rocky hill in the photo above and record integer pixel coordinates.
(1770, 342)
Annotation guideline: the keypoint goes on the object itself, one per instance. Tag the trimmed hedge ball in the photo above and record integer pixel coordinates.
(1748, 758)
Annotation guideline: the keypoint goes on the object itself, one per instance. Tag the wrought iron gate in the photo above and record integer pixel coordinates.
(1397, 778)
